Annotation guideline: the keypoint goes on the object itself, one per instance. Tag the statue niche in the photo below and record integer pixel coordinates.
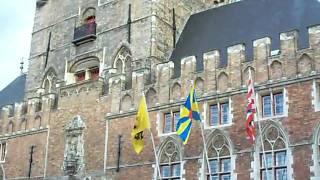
(74, 151)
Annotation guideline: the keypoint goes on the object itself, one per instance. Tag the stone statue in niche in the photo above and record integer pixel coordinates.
(74, 152)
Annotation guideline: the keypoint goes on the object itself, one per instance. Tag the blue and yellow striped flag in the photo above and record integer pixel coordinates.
(189, 111)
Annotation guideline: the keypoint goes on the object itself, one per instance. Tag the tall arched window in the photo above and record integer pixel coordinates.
(49, 81)
(316, 153)
(170, 160)
(273, 161)
(123, 65)
(219, 157)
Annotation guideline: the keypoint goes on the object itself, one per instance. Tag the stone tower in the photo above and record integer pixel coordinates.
(64, 42)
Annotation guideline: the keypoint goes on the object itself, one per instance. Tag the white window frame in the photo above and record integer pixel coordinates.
(161, 119)
(207, 113)
(316, 95)
(271, 93)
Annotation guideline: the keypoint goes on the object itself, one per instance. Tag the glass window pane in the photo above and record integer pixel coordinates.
(214, 177)
(268, 157)
(226, 165)
(278, 104)
(281, 174)
(176, 170)
(225, 113)
(165, 171)
(264, 174)
(167, 123)
(214, 115)
(214, 167)
(281, 159)
(226, 177)
(176, 119)
(266, 106)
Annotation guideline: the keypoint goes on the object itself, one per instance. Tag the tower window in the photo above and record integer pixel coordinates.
(80, 76)
(94, 73)
(90, 19)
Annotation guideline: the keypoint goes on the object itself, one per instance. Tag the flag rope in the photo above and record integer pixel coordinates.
(256, 117)
(205, 150)
(260, 132)
(155, 156)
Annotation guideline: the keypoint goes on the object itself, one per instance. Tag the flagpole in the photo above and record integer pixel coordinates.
(261, 139)
(256, 116)
(205, 150)
(155, 155)
(204, 142)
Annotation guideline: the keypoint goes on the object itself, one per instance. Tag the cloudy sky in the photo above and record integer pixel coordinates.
(16, 22)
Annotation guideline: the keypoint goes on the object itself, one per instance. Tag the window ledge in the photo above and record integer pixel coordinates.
(272, 117)
(219, 126)
(167, 134)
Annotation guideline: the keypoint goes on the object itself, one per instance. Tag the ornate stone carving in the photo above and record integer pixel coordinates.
(74, 151)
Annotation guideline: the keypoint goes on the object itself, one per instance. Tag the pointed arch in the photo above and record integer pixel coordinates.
(38, 121)
(49, 80)
(305, 64)
(276, 70)
(89, 15)
(170, 158)
(223, 81)
(316, 151)
(176, 91)
(123, 64)
(276, 152)
(23, 124)
(151, 97)
(246, 74)
(219, 149)
(126, 103)
(199, 86)
(10, 127)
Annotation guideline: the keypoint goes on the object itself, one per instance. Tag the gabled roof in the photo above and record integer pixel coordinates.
(14, 92)
(244, 22)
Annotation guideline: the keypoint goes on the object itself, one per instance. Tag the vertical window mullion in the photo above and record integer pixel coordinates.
(172, 121)
(219, 113)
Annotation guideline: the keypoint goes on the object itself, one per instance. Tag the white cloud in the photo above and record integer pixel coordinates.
(16, 22)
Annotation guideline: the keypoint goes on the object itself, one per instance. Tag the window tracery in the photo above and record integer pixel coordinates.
(170, 161)
(219, 157)
(123, 65)
(273, 161)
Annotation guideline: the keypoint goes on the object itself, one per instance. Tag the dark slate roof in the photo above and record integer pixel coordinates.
(243, 22)
(14, 92)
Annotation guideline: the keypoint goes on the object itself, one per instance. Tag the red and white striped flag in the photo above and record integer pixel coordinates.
(251, 109)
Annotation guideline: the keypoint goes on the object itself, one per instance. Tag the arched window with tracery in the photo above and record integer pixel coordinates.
(49, 81)
(219, 157)
(273, 161)
(316, 153)
(123, 65)
(170, 160)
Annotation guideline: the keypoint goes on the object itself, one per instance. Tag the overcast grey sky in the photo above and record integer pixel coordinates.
(16, 22)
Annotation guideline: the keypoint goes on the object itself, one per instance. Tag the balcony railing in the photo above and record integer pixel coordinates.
(84, 33)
